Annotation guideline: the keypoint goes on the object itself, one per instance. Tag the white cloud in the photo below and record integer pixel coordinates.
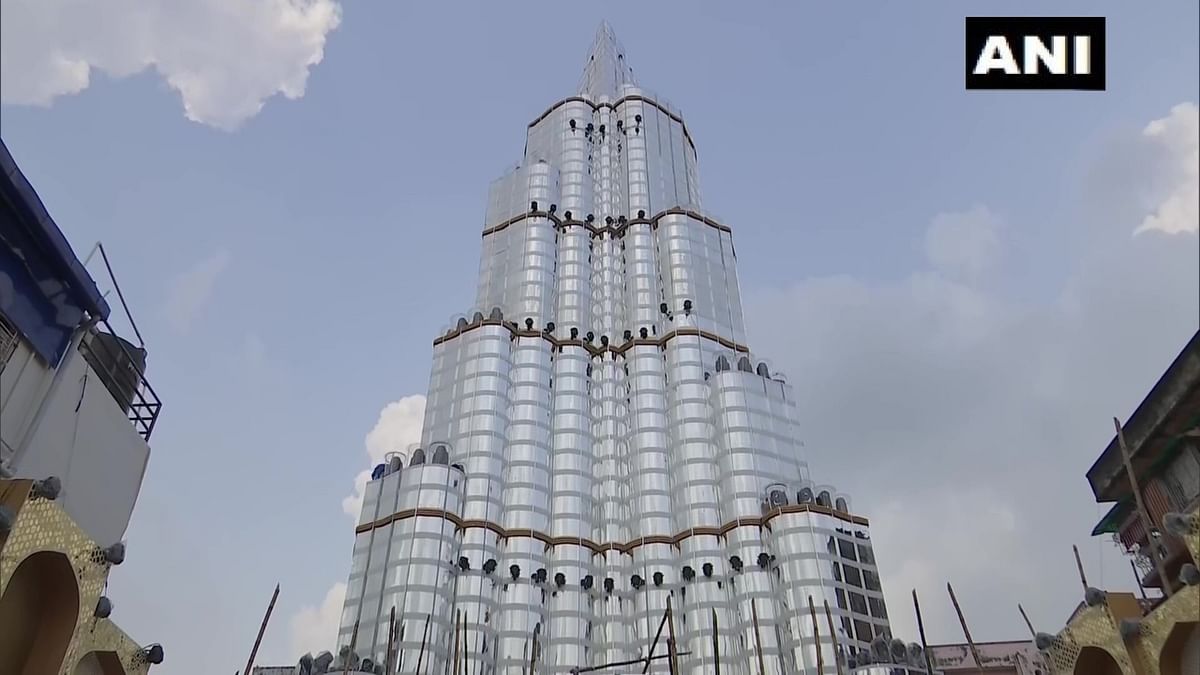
(398, 427)
(191, 290)
(224, 57)
(963, 420)
(1178, 134)
(964, 244)
(315, 629)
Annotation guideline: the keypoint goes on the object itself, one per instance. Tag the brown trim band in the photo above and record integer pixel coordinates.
(617, 230)
(616, 350)
(632, 97)
(627, 547)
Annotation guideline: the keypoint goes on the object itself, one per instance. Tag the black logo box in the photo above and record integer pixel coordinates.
(1015, 29)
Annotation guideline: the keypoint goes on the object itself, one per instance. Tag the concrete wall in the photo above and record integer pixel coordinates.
(1002, 658)
(83, 437)
(23, 383)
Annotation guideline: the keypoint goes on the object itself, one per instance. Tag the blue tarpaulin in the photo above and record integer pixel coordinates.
(44, 289)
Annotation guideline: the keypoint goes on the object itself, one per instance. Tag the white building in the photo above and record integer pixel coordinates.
(600, 440)
(74, 401)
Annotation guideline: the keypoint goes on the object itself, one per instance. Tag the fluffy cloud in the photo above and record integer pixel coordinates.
(191, 290)
(398, 427)
(1178, 135)
(963, 419)
(964, 244)
(224, 57)
(314, 629)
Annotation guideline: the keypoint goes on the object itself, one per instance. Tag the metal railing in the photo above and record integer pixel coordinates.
(123, 372)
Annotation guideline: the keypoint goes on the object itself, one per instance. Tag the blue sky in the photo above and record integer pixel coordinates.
(938, 270)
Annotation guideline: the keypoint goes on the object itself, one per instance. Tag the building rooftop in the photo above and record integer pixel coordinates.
(606, 70)
(1156, 430)
(39, 259)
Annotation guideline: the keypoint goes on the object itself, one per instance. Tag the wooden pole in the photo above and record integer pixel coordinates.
(671, 646)
(716, 645)
(464, 643)
(1138, 578)
(630, 662)
(812, 611)
(391, 643)
(261, 629)
(536, 651)
(1147, 524)
(654, 644)
(350, 652)
(963, 622)
(1079, 566)
(762, 666)
(421, 653)
(921, 631)
(457, 620)
(837, 650)
(1028, 623)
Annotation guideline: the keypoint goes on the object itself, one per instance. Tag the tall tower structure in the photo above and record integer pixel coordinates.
(600, 441)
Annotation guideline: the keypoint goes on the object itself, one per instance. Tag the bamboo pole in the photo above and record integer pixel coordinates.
(963, 622)
(812, 611)
(1142, 511)
(261, 629)
(921, 631)
(762, 666)
(837, 650)
(1028, 623)
(1079, 566)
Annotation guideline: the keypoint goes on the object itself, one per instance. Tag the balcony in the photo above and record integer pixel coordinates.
(121, 366)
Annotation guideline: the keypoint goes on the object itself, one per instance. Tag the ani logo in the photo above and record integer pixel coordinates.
(1035, 53)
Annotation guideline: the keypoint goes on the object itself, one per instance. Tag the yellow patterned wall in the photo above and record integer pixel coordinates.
(42, 525)
(1094, 626)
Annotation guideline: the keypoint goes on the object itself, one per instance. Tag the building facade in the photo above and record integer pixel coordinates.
(600, 443)
(74, 400)
(75, 420)
(1163, 439)
(1158, 633)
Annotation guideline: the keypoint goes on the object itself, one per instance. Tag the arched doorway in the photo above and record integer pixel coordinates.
(1181, 651)
(1096, 661)
(38, 610)
(99, 663)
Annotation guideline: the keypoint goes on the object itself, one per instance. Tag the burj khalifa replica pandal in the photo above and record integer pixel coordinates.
(600, 443)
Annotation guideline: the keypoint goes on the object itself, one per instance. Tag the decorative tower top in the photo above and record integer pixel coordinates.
(606, 70)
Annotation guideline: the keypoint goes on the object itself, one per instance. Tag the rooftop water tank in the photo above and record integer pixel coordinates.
(119, 363)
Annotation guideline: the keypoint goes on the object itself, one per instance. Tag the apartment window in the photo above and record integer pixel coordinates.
(862, 631)
(877, 609)
(871, 580)
(841, 598)
(8, 342)
(852, 576)
(858, 603)
(846, 549)
(865, 554)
